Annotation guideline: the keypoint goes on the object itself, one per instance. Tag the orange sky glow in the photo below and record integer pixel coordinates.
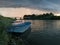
(19, 12)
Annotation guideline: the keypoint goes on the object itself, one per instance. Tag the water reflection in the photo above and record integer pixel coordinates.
(44, 32)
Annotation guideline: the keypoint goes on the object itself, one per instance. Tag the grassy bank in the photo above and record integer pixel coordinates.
(4, 23)
(4, 36)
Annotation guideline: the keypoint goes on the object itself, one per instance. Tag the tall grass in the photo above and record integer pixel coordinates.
(4, 23)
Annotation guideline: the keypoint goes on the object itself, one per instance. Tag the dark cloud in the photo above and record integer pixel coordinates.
(49, 5)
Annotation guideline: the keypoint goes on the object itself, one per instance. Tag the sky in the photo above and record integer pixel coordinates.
(19, 8)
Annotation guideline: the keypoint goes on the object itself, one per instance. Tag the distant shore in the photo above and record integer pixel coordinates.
(47, 16)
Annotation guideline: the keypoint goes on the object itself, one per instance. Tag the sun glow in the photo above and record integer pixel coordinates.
(57, 14)
(20, 12)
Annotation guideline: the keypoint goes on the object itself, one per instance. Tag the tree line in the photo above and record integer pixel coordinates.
(47, 16)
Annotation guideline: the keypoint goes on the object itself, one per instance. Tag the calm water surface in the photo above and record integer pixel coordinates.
(44, 32)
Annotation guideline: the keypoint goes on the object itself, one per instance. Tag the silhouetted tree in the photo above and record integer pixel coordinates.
(15, 18)
(42, 16)
(51, 14)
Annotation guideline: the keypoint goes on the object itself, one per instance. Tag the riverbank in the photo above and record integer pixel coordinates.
(4, 23)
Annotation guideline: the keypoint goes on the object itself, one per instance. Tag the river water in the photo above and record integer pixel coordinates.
(44, 32)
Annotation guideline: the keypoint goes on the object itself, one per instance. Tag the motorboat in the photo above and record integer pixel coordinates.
(20, 29)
